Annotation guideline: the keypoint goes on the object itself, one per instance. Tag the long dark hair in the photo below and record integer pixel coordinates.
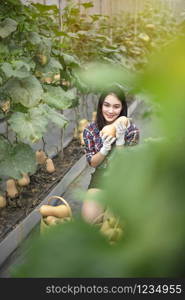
(119, 93)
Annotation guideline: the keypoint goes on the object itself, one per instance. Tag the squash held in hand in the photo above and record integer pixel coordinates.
(110, 130)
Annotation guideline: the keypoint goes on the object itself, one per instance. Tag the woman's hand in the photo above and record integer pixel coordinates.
(120, 134)
(107, 143)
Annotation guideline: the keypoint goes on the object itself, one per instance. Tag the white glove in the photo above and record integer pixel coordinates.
(120, 134)
(107, 142)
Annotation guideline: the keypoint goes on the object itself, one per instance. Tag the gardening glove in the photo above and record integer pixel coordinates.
(107, 142)
(120, 133)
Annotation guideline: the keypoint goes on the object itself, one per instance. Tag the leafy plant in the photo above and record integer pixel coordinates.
(31, 93)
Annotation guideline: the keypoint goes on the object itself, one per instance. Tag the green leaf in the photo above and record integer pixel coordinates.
(44, 47)
(45, 8)
(34, 38)
(16, 159)
(70, 60)
(57, 118)
(73, 35)
(76, 239)
(35, 121)
(15, 2)
(4, 147)
(87, 4)
(109, 50)
(50, 69)
(30, 126)
(26, 91)
(58, 98)
(21, 70)
(3, 49)
(55, 64)
(98, 76)
(7, 27)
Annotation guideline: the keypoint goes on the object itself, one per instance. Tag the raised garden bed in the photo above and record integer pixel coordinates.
(40, 186)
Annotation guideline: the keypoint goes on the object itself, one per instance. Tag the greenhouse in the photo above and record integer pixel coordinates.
(92, 163)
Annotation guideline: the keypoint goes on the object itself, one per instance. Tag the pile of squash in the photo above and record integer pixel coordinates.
(82, 124)
(94, 213)
(54, 215)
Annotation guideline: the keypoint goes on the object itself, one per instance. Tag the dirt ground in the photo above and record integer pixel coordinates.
(41, 183)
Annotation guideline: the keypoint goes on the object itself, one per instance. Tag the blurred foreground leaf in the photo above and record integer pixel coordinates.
(163, 80)
(146, 188)
(70, 250)
(97, 76)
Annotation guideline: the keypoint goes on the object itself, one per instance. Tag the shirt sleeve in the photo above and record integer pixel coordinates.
(132, 135)
(89, 145)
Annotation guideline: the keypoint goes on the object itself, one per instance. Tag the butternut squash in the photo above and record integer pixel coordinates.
(82, 124)
(123, 120)
(94, 114)
(51, 220)
(40, 157)
(60, 211)
(25, 180)
(110, 129)
(81, 138)
(75, 133)
(2, 201)
(50, 165)
(11, 188)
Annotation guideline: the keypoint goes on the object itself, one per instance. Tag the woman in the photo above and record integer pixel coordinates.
(112, 104)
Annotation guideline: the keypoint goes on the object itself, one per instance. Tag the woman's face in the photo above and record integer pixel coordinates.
(111, 108)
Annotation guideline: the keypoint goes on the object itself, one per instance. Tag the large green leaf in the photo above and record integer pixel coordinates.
(51, 68)
(87, 4)
(34, 38)
(3, 49)
(7, 27)
(57, 118)
(44, 47)
(21, 70)
(73, 249)
(55, 64)
(4, 147)
(97, 76)
(16, 159)
(27, 91)
(30, 126)
(70, 60)
(58, 98)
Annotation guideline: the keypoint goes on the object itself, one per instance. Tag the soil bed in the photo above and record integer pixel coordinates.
(41, 183)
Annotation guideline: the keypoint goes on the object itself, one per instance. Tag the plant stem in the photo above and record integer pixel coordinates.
(44, 144)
